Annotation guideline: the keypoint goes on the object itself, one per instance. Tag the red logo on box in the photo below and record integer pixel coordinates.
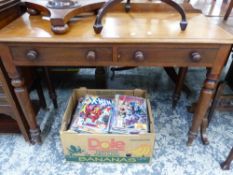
(97, 145)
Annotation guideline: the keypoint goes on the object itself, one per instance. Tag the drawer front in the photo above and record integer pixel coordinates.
(62, 56)
(149, 56)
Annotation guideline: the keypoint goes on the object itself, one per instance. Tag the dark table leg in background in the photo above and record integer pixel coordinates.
(180, 85)
(100, 77)
(51, 89)
(227, 163)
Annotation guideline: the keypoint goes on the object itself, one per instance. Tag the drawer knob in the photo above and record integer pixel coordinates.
(91, 55)
(195, 56)
(32, 54)
(139, 56)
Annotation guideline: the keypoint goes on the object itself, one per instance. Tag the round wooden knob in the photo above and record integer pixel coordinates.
(32, 55)
(139, 56)
(91, 55)
(195, 56)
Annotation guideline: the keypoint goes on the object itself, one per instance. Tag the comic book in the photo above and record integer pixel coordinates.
(92, 115)
(131, 115)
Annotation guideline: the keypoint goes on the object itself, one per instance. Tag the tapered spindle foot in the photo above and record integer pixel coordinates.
(183, 25)
(35, 136)
(175, 100)
(225, 166)
(191, 137)
(98, 28)
(127, 7)
(204, 136)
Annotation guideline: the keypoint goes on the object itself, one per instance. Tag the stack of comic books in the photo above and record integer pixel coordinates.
(123, 115)
(92, 115)
(131, 115)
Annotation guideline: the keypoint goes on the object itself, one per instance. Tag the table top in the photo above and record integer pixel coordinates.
(120, 27)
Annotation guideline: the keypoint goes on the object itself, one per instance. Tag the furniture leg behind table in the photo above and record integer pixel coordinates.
(227, 163)
(206, 96)
(228, 10)
(177, 79)
(51, 89)
(22, 94)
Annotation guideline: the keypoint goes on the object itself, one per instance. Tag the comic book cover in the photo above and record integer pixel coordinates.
(131, 115)
(92, 115)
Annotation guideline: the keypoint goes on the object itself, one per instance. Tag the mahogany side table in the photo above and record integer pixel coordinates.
(150, 38)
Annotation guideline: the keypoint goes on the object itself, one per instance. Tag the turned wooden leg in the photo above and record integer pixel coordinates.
(22, 94)
(19, 117)
(204, 125)
(25, 103)
(179, 85)
(202, 106)
(227, 163)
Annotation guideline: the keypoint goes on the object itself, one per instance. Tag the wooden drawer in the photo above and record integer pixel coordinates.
(166, 56)
(63, 56)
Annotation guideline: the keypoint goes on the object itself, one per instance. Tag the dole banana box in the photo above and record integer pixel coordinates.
(112, 148)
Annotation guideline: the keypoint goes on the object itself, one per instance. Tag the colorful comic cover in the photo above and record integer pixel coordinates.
(131, 115)
(92, 115)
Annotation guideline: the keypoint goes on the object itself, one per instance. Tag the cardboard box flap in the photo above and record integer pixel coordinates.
(71, 107)
(150, 117)
(110, 93)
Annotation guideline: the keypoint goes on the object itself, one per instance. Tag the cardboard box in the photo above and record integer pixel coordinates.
(112, 148)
